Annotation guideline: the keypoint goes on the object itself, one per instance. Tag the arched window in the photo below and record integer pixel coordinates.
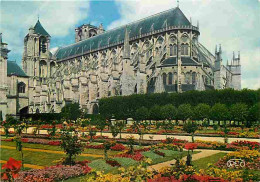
(43, 68)
(43, 44)
(21, 87)
(187, 78)
(175, 78)
(171, 50)
(184, 49)
(52, 65)
(175, 49)
(193, 78)
(170, 78)
(164, 78)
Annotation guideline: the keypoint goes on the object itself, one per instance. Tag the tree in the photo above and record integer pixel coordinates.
(253, 114)
(114, 131)
(184, 112)
(100, 123)
(120, 126)
(169, 112)
(141, 114)
(72, 146)
(71, 111)
(155, 113)
(219, 112)
(190, 127)
(239, 112)
(201, 111)
(167, 125)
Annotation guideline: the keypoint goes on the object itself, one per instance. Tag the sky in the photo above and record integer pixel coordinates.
(235, 24)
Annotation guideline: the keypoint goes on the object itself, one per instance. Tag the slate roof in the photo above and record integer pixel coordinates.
(172, 61)
(14, 69)
(38, 28)
(172, 17)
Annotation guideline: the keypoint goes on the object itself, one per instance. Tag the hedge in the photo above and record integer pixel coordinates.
(123, 107)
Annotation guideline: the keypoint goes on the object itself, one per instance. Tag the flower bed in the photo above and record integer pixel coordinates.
(113, 163)
(250, 145)
(53, 173)
(136, 156)
(41, 141)
(118, 147)
(251, 158)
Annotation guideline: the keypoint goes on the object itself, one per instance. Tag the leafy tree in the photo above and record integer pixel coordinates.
(226, 130)
(219, 112)
(114, 131)
(253, 114)
(72, 146)
(71, 111)
(100, 123)
(120, 126)
(190, 127)
(11, 120)
(239, 112)
(141, 114)
(184, 112)
(201, 111)
(155, 113)
(167, 125)
(169, 112)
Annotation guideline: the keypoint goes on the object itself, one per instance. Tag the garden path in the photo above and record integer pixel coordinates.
(50, 151)
(27, 165)
(203, 153)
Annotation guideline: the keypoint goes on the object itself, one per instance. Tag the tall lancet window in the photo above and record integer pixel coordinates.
(193, 78)
(170, 78)
(164, 78)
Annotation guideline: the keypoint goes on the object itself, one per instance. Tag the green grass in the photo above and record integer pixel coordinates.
(169, 152)
(203, 162)
(125, 162)
(36, 158)
(58, 148)
(100, 165)
(152, 155)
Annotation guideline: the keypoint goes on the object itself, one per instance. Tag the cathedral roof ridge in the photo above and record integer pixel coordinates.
(174, 17)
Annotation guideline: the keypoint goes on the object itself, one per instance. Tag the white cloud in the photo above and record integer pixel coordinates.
(57, 17)
(233, 24)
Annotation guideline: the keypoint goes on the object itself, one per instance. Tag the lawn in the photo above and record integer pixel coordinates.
(36, 158)
(203, 162)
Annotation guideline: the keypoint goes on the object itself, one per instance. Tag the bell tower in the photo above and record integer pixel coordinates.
(36, 51)
(3, 81)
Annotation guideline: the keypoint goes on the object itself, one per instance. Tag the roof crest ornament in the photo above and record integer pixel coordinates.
(178, 5)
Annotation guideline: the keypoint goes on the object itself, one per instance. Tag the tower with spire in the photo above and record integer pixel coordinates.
(235, 68)
(3, 75)
(36, 51)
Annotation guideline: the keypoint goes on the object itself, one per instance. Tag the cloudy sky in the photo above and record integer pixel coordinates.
(235, 24)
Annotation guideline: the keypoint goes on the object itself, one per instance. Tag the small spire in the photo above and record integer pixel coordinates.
(38, 17)
(190, 21)
(198, 25)
(126, 44)
(1, 38)
(233, 55)
(238, 55)
(220, 48)
(216, 49)
(227, 62)
(178, 5)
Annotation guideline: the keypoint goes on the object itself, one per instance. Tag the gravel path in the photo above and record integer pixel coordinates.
(202, 154)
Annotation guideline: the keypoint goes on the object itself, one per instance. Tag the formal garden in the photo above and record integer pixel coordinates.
(192, 136)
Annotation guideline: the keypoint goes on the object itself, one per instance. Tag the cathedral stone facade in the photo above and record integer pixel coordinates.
(160, 53)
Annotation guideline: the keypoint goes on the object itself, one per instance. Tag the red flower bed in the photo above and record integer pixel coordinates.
(159, 153)
(185, 178)
(251, 145)
(53, 173)
(7, 140)
(136, 156)
(113, 163)
(95, 146)
(41, 141)
(118, 147)
(190, 146)
(142, 150)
